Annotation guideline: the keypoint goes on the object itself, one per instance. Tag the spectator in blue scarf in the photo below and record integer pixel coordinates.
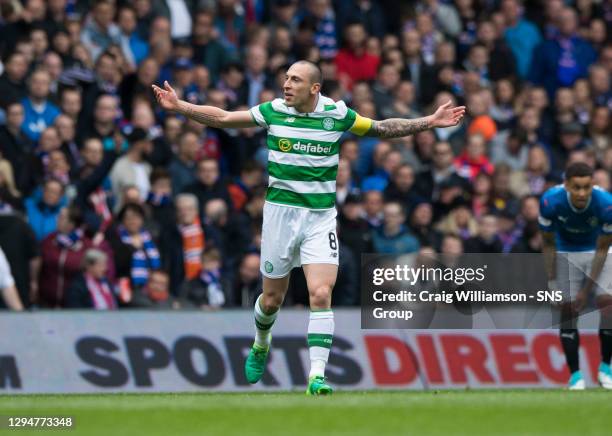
(136, 254)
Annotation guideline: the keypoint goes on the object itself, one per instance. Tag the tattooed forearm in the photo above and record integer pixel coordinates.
(208, 115)
(398, 127)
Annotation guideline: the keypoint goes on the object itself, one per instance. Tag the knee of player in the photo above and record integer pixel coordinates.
(270, 303)
(320, 295)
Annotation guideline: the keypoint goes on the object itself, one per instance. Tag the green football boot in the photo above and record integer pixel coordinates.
(255, 363)
(318, 386)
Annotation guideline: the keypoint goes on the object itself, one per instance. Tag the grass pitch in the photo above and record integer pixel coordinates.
(516, 412)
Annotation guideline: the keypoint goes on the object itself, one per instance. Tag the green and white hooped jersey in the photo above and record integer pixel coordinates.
(303, 150)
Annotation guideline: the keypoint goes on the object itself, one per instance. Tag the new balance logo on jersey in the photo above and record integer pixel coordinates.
(334, 254)
(563, 219)
(290, 119)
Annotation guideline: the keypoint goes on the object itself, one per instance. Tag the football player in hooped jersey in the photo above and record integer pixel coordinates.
(576, 222)
(299, 225)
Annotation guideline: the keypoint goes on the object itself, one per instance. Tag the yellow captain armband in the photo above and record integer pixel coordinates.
(361, 125)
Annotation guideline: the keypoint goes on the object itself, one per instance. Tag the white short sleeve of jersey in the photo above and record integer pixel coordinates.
(258, 117)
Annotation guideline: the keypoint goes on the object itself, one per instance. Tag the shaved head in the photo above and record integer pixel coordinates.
(302, 86)
(315, 74)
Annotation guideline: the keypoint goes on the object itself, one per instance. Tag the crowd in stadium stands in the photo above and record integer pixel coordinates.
(108, 202)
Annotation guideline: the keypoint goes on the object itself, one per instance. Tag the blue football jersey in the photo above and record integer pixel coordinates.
(575, 229)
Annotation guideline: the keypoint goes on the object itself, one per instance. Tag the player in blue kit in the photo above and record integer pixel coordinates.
(576, 223)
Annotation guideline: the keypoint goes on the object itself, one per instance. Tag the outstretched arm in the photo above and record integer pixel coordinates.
(208, 115)
(444, 116)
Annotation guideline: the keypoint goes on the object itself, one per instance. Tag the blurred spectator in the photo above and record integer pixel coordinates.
(515, 152)
(134, 48)
(521, 35)
(205, 290)
(39, 111)
(344, 181)
(441, 171)
(132, 168)
(353, 229)
(227, 231)
(208, 184)
(417, 71)
(62, 254)
(460, 221)
(373, 208)
(206, 50)
(530, 209)
(421, 221)
(325, 30)
(230, 23)
(255, 77)
(509, 230)
(401, 187)
(560, 61)
(182, 244)
(135, 252)
(530, 241)
(93, 186)
(600, 129)
(247, 284)
(483, 125)
(99, 32)
(445, 16)
(15, 145)
(384, 87)
(182, 168)
(487, 240)
(44, 206)
(532, 179)
(502, 63)
(12, 81)
(251, 177)
(347, 287)
(103, 125)
(71, 103)
(137, 87)
(451, 249)
(393, 237)
(353, 63)
(570, 139)
(91, 289)
(159, 200)
(390, 161)
(156, 294)
(473, 160)
(403, 102)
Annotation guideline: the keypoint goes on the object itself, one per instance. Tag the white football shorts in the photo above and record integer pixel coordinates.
(294, 236)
